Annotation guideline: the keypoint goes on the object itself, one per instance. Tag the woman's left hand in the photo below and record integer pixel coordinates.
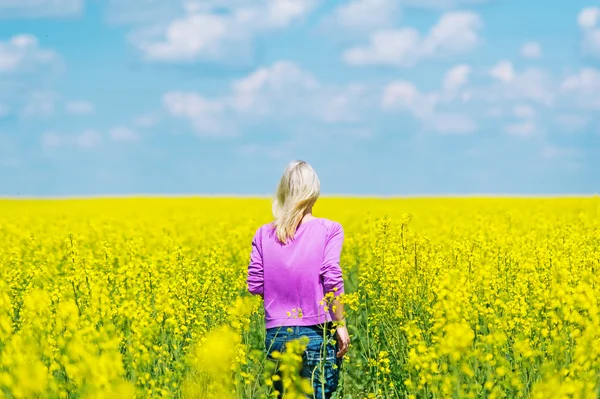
(343, 339)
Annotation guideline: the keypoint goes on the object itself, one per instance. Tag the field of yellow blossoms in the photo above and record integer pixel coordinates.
(446, 298)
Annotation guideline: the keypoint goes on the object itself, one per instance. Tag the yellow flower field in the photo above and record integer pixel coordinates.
(446, 298)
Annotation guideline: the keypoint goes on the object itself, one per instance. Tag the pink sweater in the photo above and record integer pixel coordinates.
(294, 278)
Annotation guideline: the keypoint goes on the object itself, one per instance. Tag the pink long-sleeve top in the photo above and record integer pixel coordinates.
(294, 278)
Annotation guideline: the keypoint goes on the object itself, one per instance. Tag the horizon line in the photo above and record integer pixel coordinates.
(266, 196)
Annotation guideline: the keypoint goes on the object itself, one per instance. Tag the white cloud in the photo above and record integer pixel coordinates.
(340, 106)
(370, 15)
(187, 38)
(121, 133)
(40, 8)
(51, 140)
(441, 4)
(209, 33)
(533, 98)
(24, 69)
(451, 123)
(366, 14)
(280, 90)
(87, 139)
(531, 50)
(145, 120)
(190, 104)
(389, 47)
(503, 71)
(402, 95)
(22, 53)
(584, 87)
(552, 151)
(532, 84)
(80, 108)
(586, 81)
(523, 111)
(588, 17)
(40, 103)
(457, 77)
(270, 86)
(589, 21)
(591, 44)
(495, 112)
(521, 129)
(282, 13)
(455, 33)
(205, 115)
(525, 96)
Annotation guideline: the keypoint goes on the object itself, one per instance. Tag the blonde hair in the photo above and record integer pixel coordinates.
(297, 191)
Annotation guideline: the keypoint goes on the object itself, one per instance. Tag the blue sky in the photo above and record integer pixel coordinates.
(406, 97)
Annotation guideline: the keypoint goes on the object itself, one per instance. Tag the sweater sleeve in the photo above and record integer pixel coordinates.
(331, 271)
(255, 268)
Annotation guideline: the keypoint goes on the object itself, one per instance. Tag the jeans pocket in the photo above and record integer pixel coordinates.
(321, 366)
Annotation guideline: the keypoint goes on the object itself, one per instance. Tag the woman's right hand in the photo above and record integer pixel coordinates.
(343, 340)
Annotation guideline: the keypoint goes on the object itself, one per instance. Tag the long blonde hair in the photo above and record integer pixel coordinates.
(297, 191)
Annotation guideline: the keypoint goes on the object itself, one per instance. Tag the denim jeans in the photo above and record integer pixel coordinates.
(317, 357)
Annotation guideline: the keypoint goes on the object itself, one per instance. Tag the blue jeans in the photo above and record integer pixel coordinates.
(316, 357)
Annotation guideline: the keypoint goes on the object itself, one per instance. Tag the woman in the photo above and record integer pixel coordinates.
(295, 262)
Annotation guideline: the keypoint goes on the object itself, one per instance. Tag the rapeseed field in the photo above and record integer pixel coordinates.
(446, 298)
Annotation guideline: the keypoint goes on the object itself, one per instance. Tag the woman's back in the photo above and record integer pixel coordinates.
(295, 277)
(294, 264)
